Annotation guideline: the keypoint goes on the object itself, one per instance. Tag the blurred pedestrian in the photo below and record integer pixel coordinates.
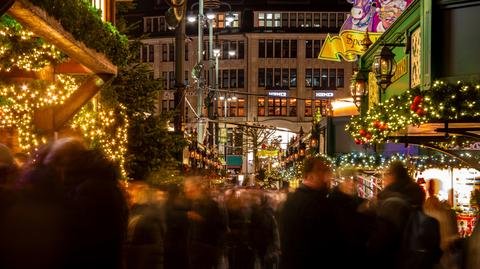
(144, 248)
(176, 235)
(308, 229)
(354, 225)
(207, 226)
(404, 237)
(97, 206)
(265, 234)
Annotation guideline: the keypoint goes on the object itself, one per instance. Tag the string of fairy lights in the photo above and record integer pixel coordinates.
(443, 101)
(103, 126)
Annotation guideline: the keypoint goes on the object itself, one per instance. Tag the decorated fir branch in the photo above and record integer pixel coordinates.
(414, 107)
(20, 49)
(19, 101)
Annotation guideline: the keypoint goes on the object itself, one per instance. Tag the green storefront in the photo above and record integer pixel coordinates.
(418, 84)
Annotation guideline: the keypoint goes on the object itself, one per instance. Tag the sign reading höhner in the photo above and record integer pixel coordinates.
(324, 94)
(277, 94)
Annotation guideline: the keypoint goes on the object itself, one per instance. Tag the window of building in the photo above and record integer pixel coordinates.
(261, 77)
(286, 49)
(186, 52)
(278, 49)
(151, 54)
(164, 106)
(165, 80)
(187, 75)
(340, 19)
(232, 108)
(261, 106)
(277, 106)
(233, 78)
(333, 20)
(241, 49)
(164, 52)
(241, 107)
(241, 78)
(171, 80)
(325, 77)
(233, 46)
(321, 106)
(277, 77)
(293, 78)
(293, 49)
(261, 48)
(277, 20)
(285, 20)
(261, 19)
(225, 78)
(308, 108)
(308, 78)
(332, 78)
(308, 20)
(293, 20)
(316, 78)
(292, 107)
(309, 49)
(316, 48)
(269, 48)
(301, 19)
(269, 20)
(285, 79)
(144, 53)
(171, 105)
(162, 24)
(171, 52)
(269, 80)
(220, 21)
(225, 50)
(316, 20)
(324, 20)
(340, 78)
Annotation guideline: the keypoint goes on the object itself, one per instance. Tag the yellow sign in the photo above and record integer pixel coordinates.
(347, 45)
(267, 153)
(402, 69)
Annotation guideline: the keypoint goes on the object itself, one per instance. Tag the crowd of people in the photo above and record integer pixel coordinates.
(65, 207)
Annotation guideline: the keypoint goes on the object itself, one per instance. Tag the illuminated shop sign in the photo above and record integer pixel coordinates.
(277, 94)
(324, 94)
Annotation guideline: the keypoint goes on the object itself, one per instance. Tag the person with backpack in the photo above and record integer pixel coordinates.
(404, 237)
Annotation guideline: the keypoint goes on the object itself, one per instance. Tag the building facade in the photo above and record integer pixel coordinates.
(274, 77)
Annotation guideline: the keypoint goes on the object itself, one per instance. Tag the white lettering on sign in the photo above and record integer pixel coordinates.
(277, 94)
(324, 94)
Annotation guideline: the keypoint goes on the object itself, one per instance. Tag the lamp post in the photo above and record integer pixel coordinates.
(210, 16)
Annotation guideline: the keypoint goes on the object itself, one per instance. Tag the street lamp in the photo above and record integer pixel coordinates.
(210, 14)
(384, 66)
(358, 88)
(216, 52)
(191, 17)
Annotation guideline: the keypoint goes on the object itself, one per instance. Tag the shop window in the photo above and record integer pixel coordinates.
(277, 106)
(261, 106)
(308, 108)
(292, 107)
(241, 107)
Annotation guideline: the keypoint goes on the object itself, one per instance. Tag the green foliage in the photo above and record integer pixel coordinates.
(18, 48)
(84, 22)
(414, 107)
(151, 147)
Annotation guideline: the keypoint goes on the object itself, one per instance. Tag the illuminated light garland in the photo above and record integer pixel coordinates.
(105, 128)
(19, 101)
(23, 50)
(414, 107)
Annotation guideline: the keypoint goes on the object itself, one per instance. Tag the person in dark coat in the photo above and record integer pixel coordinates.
(400, 196)
(207, 226)
(309, 234)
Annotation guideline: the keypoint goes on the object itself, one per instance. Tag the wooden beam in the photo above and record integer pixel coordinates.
(53, 119)
(72, 67)
(39, 22)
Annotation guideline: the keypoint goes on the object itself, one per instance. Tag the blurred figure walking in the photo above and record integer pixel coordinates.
(404, 237)
(207, 226)
(309, 234)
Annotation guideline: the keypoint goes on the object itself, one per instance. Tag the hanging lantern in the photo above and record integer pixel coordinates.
(384, 66)
(358, 88)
